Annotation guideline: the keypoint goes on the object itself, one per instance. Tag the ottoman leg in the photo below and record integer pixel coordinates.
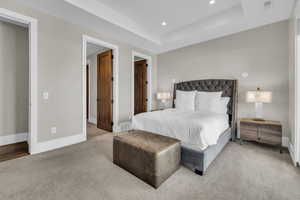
(201, 173)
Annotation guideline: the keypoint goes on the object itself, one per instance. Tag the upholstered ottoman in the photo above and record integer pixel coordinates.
(151, 157)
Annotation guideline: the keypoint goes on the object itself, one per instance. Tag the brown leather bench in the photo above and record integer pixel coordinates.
(152, 158)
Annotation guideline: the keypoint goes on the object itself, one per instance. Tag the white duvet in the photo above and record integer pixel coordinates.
(190, 127)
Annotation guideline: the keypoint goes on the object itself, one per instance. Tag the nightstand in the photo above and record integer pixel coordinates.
(266, 132)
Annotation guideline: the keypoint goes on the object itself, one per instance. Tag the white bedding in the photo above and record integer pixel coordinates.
(192, 128)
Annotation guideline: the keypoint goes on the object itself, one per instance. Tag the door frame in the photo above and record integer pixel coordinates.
(32, 25)
(149, 79)
(115, 49)
(295, 148)
(88, 91)
(296, 156)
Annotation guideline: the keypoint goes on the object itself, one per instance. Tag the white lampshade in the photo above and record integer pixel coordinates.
(163, 95)
(259, 96)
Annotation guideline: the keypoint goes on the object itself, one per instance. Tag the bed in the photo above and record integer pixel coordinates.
(198, 150)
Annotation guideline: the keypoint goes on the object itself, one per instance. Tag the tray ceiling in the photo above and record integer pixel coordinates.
(139, 22)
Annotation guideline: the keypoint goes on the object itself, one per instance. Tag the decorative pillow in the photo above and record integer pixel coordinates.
(206, 102)
(185, 100)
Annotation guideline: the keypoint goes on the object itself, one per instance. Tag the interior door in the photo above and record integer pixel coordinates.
(140, 86)
(105, 91)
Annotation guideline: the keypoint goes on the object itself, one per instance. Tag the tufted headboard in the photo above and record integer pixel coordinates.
(229, 88)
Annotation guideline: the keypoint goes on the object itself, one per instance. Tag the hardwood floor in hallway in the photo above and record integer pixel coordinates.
(12, 151)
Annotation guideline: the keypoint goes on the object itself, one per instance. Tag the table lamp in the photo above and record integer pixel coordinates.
(163, 97)
(259, 97)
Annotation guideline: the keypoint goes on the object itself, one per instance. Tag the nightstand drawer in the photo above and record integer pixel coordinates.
(248, 134)
(275, 130)
(248, 126)
(270, 138)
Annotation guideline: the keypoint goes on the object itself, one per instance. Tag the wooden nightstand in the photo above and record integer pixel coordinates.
(267, 132)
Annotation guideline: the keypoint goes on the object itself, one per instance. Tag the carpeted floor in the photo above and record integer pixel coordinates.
(85, 172)
(93, 131)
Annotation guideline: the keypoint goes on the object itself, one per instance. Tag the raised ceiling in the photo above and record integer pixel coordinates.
(177, 13)
(138, 22)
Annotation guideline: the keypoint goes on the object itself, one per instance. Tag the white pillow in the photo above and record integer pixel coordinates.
(221, 106)
(185, 100)
(206, 102)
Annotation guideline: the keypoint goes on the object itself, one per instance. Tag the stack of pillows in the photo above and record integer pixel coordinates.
(204, 102)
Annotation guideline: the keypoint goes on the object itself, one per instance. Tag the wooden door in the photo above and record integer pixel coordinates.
(105, 91)
(140, 86)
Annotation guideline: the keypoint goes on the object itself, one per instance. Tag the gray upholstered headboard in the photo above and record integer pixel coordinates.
(229, 88)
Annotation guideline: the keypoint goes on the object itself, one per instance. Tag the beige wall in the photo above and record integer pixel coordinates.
(261, 52)
(60, 73)
(14, 68)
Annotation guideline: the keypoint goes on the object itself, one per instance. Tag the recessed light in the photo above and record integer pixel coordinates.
(211, 2)
(164, 23)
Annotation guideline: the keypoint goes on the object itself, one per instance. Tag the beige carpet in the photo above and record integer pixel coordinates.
(93, 131)
(85, 171)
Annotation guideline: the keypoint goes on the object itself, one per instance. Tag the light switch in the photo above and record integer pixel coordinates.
(45, 95)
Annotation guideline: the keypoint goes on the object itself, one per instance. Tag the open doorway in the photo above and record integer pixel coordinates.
(18, 67)
(99, 90)
(100, 84)
(14, 90)
(141, 83)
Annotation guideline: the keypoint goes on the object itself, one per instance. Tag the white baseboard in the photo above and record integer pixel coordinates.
(117, 129)
(92, 120)
(285, 141)
(292, 152)
(12, 139)
(124, 126)
(58, 143)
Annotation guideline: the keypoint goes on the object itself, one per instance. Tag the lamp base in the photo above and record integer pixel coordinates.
(258, 119)
(258, 112)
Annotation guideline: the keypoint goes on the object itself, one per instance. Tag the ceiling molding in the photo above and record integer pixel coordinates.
(112, 16)
(119, 20)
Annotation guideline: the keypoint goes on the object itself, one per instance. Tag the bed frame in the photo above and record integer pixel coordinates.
(194, 158)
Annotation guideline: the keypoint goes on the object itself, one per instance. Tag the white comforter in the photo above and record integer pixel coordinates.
(192, 128)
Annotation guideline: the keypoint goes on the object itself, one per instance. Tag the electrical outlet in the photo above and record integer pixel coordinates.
(53, 130)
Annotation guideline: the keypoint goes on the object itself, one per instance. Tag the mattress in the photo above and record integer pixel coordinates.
(191, 128)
